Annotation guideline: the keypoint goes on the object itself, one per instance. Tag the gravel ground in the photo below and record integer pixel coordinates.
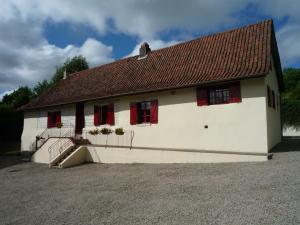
(233, 193)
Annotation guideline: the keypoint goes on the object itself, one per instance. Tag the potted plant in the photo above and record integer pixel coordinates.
(119, 131)
(59, 125)
(94, 132)
(106, 131)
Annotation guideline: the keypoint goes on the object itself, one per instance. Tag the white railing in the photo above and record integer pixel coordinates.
(67, 130)
(57, 148)
(111, 139)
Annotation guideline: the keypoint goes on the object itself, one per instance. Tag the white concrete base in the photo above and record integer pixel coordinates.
(122, 155)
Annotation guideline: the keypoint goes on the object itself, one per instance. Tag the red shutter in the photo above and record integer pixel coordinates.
(110, 114)
(202, 96)
(154, 111)
(133, 113)
(235, 93)
(58, 118)
(96, 115)
(49, 120)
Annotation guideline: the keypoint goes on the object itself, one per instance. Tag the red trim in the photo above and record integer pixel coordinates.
(235, 93)
(202, 98)
(133, 113)
(58, 118)
(154, 111)
(110, 115)
(49, 124)
(53, 119)
(96, 115)
(79, 120)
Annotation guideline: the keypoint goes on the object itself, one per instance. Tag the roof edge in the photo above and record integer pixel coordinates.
(149, 91)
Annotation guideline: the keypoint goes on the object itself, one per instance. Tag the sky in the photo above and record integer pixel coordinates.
(37, 36)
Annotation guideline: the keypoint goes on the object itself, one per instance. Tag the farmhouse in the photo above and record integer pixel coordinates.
(212, 99)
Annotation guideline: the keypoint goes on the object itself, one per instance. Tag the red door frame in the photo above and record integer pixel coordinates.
(79, 120)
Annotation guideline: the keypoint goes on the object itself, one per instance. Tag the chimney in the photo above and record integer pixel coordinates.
(65, 74)
(144, 49)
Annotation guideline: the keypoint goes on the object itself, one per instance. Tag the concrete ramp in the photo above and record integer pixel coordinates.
(77, 157)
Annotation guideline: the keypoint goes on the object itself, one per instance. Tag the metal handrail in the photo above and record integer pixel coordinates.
(59, 148)
(68, 134)
(48, 132)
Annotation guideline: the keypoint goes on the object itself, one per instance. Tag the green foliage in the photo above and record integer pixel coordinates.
(119, 131)
(94, 132)
(73, 65)
(41, 87)
(291, 98)
(18, 98)
(106, 131)
(11, 122)
(77, 63)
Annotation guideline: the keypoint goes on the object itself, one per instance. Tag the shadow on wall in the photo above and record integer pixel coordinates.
(288, 144)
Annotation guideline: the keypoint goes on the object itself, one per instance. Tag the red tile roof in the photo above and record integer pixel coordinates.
(236, 54)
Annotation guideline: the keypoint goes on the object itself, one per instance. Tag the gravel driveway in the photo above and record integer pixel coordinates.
(233, 193)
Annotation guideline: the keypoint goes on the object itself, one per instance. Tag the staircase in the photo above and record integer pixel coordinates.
(62, 150)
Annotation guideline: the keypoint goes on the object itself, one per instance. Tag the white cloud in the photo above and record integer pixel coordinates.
(144, 19)
(26, 56)
(289, 45)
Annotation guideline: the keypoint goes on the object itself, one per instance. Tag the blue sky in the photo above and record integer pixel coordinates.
(39, 35)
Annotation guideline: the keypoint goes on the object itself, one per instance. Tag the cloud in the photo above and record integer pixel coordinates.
(26, 57)
(289, 45)
(144, 19)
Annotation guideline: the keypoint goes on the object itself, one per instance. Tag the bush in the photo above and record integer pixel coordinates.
(119, 131)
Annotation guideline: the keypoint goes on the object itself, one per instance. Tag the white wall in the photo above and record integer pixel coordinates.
(35, 122)
(237, 127)
(273, 115)
(117, 155)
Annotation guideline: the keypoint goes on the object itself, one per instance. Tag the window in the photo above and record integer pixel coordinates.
(144, 112)
(54, 118)
(104, 115)
(221, 94)
(271, 98)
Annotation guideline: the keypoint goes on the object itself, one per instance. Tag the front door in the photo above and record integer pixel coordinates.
(79, 118)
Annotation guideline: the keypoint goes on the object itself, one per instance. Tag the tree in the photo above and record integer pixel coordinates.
(18, 98)
(291, 98)
(73, 65)
(40, 87)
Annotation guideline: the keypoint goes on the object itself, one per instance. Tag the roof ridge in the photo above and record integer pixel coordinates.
(181, 43)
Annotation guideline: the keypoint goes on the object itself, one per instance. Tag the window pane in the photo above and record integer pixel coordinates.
(218, 95)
